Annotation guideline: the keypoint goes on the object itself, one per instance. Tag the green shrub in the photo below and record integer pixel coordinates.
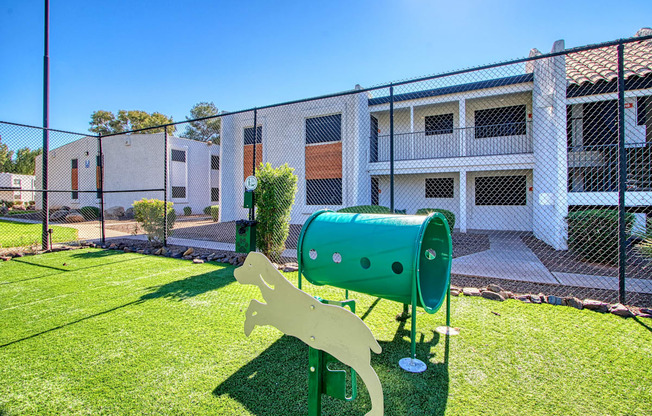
(450, 217)
(274, 199)
(150, 213)
(645, 245)
(593, 234)
(90, 213)
(187, 211)
(214, 211)
(207, 210)
(366, 209)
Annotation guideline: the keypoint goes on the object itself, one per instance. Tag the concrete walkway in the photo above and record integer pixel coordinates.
(603, 282)
(507, 258)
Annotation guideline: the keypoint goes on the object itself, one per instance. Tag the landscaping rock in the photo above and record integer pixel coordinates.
(506, 294)
(74, 217)
(164, 251)
(553, 300)
(646, 311)
(198, 261)
(187, 257)
(290, 267)
(621, 310)
(126, 250)
(455, 292)
(494, 288)
(114, 213)
(471, 291)
(59, 215)
(188, 252)
(129, 214)
(140, 251)
(3, 210)
(573, 302)
(5, 258)
(523, 298)
(536, 299)
(596, 305)
(158, 252)
(488, 294)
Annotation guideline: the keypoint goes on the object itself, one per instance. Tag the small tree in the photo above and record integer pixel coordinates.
(149, 214)
(274, 199)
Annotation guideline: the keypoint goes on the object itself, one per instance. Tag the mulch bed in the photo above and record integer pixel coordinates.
(565, 261)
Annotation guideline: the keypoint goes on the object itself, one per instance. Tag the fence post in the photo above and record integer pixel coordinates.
(622, 177)
(165, 188)
(45, 207)
(391, 148)
(253, 165)
(101, 183)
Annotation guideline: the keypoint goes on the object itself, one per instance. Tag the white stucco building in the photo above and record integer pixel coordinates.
(509, 153)
(133, 162)
(22, 191)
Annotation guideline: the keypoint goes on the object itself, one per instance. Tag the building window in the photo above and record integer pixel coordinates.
(215, 162)
(600, 123)
(375, 191)
(439, 124)
(502, 121)
(641, 109)
(500, 190)
(324, 129)
(215, 194)
(439, 188)
(178, 156)
(179, 192)
(324, 191)
(74, 179)
(249, 135)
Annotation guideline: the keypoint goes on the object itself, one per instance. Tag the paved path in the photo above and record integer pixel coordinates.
(603, 282)
(507, 258)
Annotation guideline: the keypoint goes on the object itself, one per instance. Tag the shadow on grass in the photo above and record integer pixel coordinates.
(643, 324)
(176, 290)
(276, 381)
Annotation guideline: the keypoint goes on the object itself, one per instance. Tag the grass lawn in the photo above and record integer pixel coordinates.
(19, 234)
(92, 332)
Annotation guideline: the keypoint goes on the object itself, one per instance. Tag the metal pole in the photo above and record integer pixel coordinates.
(391, 148)
(165, 188)
(45, 208)
(101, 166)
(253, 164)
(622, 176)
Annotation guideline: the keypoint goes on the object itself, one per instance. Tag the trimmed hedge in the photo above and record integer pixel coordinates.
(450, 217)
(366, 209)
(150, 214)
(90, 213)
(187, 211)
(275, 194)
(593, 234)
(214, 211)
(207, 210)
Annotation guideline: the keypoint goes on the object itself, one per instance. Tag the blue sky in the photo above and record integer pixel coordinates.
(166, 56)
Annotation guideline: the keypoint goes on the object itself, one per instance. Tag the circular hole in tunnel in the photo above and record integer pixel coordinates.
(431, 254)
(337, 257)
(397, 267)
(312, 254)
(365, 263)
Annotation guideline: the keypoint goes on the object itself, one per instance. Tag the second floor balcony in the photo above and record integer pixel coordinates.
(489, 140)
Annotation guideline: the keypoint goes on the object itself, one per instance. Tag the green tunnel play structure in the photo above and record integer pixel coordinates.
(387, 256)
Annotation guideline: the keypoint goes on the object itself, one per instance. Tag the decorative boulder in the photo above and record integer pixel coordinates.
(129, 214)
(114, 213)
(59, 215)
(3, 210)
(74, 217)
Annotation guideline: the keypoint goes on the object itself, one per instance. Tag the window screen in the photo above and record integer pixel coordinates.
(215, 194)
(641, 110)
(324, 129)
(324, 191)
(439, 124)
(215, 162)
(178, 156)
(439, 188)
(500, 190)
(249, 135)
(178, 192)
(375, 191)
(74, 195)
(503, 121)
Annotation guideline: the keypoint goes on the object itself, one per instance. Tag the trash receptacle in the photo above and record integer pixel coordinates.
(380, 255)
(245, 236)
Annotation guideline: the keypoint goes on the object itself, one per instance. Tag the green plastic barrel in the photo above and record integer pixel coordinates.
(380, 255)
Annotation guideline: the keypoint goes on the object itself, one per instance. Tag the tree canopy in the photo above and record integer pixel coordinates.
(203, 130)
(105, 122)
(20, 161)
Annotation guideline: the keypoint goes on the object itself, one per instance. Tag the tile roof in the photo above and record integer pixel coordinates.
(601, 64)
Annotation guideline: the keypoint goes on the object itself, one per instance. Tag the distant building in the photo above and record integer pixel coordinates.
(22, 191)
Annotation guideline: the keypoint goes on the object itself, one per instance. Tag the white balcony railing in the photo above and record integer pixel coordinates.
(501, 139)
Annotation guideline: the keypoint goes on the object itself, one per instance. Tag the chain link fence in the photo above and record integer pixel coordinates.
(541, 165)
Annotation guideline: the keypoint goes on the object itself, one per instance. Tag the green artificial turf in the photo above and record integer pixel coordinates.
(91, 332)
(19, 234)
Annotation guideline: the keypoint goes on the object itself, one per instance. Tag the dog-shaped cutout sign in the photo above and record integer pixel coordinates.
(329, 328)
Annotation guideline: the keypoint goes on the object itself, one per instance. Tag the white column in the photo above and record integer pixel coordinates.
(461, 220)
(462, 126)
